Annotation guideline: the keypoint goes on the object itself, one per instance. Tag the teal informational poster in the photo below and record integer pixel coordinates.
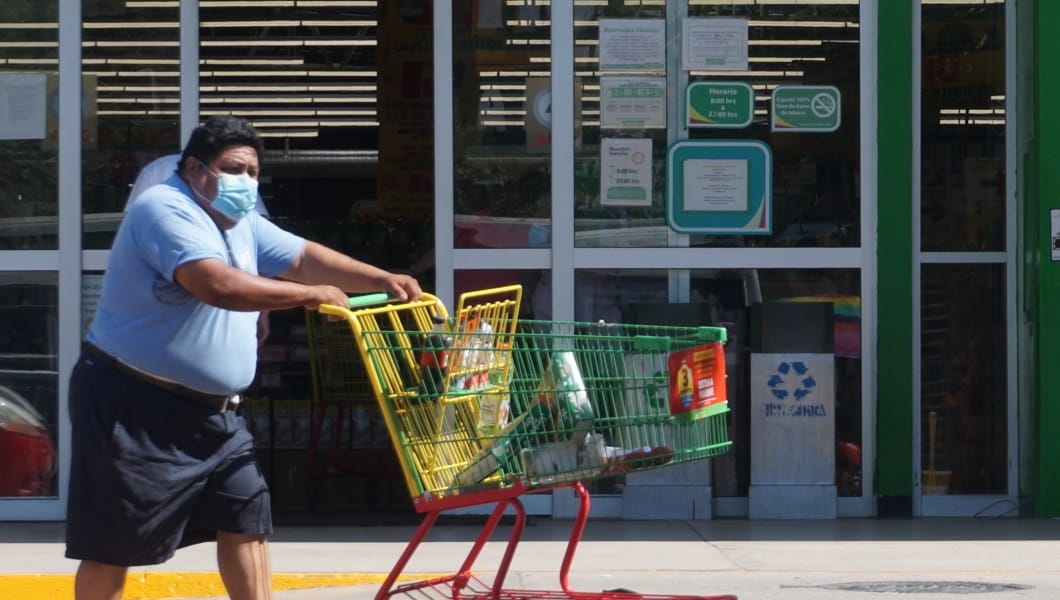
(719, 187)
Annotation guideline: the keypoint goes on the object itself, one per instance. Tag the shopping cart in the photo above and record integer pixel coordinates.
(483, 407)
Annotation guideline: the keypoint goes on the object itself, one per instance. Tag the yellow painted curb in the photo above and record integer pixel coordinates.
(142, 585)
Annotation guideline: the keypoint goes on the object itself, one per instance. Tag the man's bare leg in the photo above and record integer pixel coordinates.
(99, 581)
(243, 561)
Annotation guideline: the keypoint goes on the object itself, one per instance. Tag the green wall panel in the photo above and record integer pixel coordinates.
(1047, 194)
(895, 316)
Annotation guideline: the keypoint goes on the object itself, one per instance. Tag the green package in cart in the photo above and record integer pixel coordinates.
(563, 390)
(560, 411)
(503, 450)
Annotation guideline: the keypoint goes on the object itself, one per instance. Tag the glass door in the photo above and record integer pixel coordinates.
(966, 268)
(546, 95)
(32, 419)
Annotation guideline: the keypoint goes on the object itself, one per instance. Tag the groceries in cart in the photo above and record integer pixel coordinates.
(554, 439)
(460, 355)
(558, 414)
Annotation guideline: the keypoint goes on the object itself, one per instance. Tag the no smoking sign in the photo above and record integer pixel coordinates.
(805, 108)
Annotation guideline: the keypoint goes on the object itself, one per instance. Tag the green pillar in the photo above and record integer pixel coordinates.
(894, 128)
(1046, 196)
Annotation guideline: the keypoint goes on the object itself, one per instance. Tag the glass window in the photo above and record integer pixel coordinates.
(502, 125)
(962, 341)
(962, 205)
(815, 170)
(342, 93)
(29, 187)
(131, 105)
(29, 408)
(628, 105)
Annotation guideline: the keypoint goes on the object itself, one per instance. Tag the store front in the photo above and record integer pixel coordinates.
(778, 168)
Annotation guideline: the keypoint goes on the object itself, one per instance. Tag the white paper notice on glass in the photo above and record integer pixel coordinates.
(715, 185)
(714, 44)
(23, 102)
(632, 102)
(633, 45)
(625, 172)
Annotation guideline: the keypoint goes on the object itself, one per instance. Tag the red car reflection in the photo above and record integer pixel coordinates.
(27, 454)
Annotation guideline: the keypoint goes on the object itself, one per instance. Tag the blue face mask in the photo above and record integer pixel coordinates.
(236, 194)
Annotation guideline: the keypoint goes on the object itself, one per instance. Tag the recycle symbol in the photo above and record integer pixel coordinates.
(799, 373)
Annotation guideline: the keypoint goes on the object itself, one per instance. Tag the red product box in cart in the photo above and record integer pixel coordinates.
(697, 380)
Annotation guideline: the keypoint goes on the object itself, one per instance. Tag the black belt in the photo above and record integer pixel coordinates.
(217, 402)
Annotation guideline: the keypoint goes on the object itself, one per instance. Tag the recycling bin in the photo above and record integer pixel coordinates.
(792, 381)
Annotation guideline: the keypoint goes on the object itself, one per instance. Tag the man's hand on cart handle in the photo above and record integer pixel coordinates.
(397, 288)
(320, 295)
(401, 287)
(365, 300)
(325, 297)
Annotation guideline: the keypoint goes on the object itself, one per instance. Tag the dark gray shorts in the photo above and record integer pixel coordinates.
(152, 472)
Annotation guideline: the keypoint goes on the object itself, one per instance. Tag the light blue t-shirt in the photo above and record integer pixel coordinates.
(150, 322)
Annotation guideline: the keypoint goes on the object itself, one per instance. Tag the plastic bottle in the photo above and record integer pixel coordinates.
(434, 359)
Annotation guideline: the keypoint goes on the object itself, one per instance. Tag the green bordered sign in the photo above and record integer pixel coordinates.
(719, 187)
(719, 104)
(805, 108)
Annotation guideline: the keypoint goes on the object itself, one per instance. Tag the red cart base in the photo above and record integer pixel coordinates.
(475, 589)
(465, 585)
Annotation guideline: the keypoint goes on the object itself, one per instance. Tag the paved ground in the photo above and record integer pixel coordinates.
(875, 559)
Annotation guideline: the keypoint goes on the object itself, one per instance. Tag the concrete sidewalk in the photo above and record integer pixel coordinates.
(790, 560)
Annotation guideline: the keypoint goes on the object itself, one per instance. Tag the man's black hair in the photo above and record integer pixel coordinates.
(218, 133)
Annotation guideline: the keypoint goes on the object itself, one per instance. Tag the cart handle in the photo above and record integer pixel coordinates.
(355, 302)
(366, 300)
